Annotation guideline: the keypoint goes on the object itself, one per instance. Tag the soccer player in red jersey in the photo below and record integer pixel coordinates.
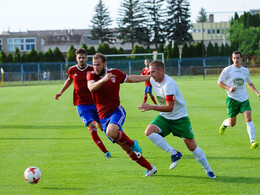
(104, 84)
(148, 86)
(82, 97)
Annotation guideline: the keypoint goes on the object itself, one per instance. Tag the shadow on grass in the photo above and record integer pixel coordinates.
(222, 179)
(28, 127)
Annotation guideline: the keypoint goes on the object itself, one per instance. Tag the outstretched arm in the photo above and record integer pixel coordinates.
(137, 78)
(252, 87)
(162, 108)
(65, 86)
(224, 86)
(94, 86)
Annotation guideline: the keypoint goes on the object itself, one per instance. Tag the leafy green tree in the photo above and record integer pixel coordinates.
(197, 49)
(32, 56)
(40, 57)
(244, 33)
(17, 55)
(24, 57)
(131, 23)
(71, 55)
(10, 57)
(114, 50)
(91, 50)
(191, 51)
(121, 51)
(168, 51)
(58, 55)
(175, 50)
(160, 49)
(104, 48)
(185, 50)
(100, 23)
(178, 23)
(84, 46)
(202, 17)
(48, 56)
(210, 50)
(138, 49)
(155, 21)
(3, 57)
(148, 49)
(216, 49)
(222, 50)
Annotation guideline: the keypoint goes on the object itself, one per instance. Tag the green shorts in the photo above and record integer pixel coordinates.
(180, 127)
(235, 107)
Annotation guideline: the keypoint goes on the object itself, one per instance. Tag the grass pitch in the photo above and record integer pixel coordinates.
(36, 130)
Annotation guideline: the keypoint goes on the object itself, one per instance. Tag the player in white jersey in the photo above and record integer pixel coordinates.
(173, 118)
(233, 79)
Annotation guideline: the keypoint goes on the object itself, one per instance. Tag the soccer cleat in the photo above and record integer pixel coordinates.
(211, 174)
(148, 173)
(137, 150)
(175, 158)
(107, 155)
(254, 144)
(222, 129)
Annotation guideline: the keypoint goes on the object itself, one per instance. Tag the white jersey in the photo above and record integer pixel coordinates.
(169, 87)
(236, 77)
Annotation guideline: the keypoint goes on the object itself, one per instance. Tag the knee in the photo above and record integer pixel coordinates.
(110, 133)
(192, 147)
(232, 123)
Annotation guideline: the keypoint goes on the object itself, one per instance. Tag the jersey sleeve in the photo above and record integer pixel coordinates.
(121, 76)
(69, 73)
(223, 76)
(90, 76)
(248, 80)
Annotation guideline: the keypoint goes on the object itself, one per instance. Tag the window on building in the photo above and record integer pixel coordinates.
(199, 30)
(194, 30)
(1, 45)
(218, 31)
(213, 31)
(23, 44)
(208, 31)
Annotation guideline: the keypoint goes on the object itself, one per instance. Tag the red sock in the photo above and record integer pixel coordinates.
(97, 140)
(141, 161)
(145, 98)
(122, 137)
(153, 99)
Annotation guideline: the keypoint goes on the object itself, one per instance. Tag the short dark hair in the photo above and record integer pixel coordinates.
(81, 51)
(100, 56)
(237, 52)
(158, 64)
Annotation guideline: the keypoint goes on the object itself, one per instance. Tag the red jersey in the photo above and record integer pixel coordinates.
(146, 71)
(81, 93)
(106, 97)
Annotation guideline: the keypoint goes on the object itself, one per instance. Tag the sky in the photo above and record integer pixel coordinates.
(23, 15)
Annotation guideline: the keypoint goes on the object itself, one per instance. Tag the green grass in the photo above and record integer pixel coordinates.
(36, 130)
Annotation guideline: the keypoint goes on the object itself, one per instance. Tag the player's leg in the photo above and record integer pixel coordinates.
(233, 108)
(141, 161)
(250, 128)
(200, 156)
(145, 98)
(152, 132)
(114, 130)
(93, 132)
(88, 114)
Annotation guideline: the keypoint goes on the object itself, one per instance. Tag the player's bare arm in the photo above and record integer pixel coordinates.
(252, 87)
(137, 78)
(224, 86)
(162, 108)
(94, 86)
(64, 88)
